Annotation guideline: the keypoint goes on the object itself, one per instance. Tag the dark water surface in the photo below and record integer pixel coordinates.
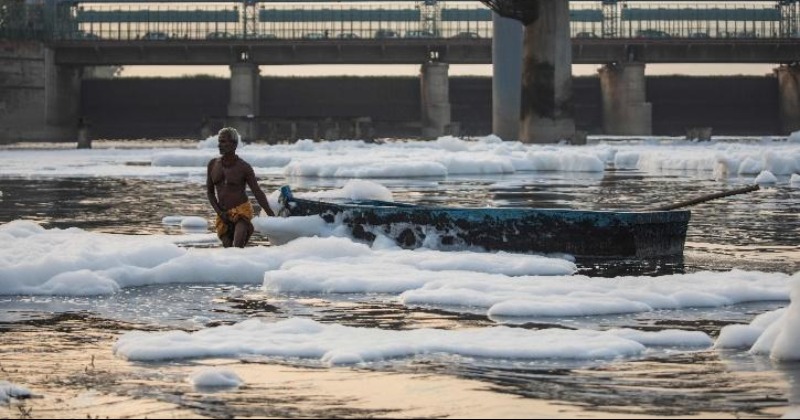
(760, 230)
(757, 231)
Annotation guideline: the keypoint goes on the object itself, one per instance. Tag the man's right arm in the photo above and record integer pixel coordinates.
(211, 190)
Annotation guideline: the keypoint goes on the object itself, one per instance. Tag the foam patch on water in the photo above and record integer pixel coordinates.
(215, 378)
(9, 390)
(340, 345)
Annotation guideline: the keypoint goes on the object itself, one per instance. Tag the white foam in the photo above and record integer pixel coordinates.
(333, 344)
(775, 333)
(766, 177)
(406, 159)
(215, 378)
(194, 222)
(9, 390)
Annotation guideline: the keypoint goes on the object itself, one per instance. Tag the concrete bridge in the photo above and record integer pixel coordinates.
(619, 36)
(412, 51)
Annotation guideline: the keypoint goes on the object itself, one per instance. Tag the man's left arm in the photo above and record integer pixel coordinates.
(261, 198)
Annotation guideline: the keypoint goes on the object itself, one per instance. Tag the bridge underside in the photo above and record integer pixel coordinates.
(277, 52)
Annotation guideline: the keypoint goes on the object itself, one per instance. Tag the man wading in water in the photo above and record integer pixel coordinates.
(227, 177)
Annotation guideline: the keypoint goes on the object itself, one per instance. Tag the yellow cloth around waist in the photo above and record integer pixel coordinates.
(243, 211)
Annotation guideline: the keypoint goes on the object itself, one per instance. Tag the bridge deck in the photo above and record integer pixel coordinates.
(403, 51)
(301, 32)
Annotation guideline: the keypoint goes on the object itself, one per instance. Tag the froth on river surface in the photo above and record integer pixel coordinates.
(59, 347)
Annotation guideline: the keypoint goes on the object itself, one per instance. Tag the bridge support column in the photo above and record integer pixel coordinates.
(62, 97)
(435, 95)
(625, 110)
(507, 77)
(243, 108)
(547, 110)
(789, 96)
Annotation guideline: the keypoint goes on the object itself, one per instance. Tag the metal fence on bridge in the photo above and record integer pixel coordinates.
(98, 21)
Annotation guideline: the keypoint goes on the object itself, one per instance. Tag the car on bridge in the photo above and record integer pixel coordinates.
(420, 34)
(466, 35)
(586, 35)
(315, 35)
(348, 35)
(155, 36)
(699, 35)
(652, 34)
(386, 34)
(220, 35)
(89, 36)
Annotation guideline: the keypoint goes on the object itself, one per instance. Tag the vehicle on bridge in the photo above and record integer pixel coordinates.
(86, 36)
(315, 35)
(742, 34)
(652, 34)
(466, 35)
(699, 35)
(385, 34)
(586, 35)
(220, 35)
(420, 34)
(155, 36)
(348, 35)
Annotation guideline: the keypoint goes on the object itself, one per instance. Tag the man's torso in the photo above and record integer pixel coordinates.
(230, 181)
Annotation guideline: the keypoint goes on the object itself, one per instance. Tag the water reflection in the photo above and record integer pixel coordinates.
(175, 306)
(642, 267)
(762, 228)
(757, 231)
(779, 372)
(708, 320)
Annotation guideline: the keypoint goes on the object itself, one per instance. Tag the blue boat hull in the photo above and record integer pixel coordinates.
(583, 234)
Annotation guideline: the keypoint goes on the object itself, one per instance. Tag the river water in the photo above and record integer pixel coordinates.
(758, 231)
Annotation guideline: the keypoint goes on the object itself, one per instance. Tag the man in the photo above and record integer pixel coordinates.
(227, 177)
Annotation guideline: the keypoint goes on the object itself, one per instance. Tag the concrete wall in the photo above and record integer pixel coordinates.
(159, 108)
(244, 102)
(507, 39)
(22, 100)
(38, 100)
(789, 97)
(435, 113)
(547, 107)
(746, 105)
(625, 108)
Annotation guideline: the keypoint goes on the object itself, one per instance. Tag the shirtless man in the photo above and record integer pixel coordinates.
(227, 177)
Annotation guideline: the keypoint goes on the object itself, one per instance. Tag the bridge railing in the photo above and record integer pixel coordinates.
(352, 21)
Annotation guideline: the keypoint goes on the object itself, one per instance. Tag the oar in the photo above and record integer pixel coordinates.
(704, 198)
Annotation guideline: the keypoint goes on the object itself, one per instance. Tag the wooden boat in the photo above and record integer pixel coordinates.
(583, 234)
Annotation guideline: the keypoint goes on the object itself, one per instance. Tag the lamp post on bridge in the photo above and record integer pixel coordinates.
(790, 22)
(250, 17)
(610, 18)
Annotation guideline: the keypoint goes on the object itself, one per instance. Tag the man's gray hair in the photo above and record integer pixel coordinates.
(232, 131)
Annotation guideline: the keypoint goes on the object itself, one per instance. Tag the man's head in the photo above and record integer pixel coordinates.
(228, 140)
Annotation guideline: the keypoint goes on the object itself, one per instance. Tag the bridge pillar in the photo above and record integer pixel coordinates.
(243, 108)
(62, 93)
(547, 111)
(625, 109)
(435, 95)
(507, 77)
(789, 96)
